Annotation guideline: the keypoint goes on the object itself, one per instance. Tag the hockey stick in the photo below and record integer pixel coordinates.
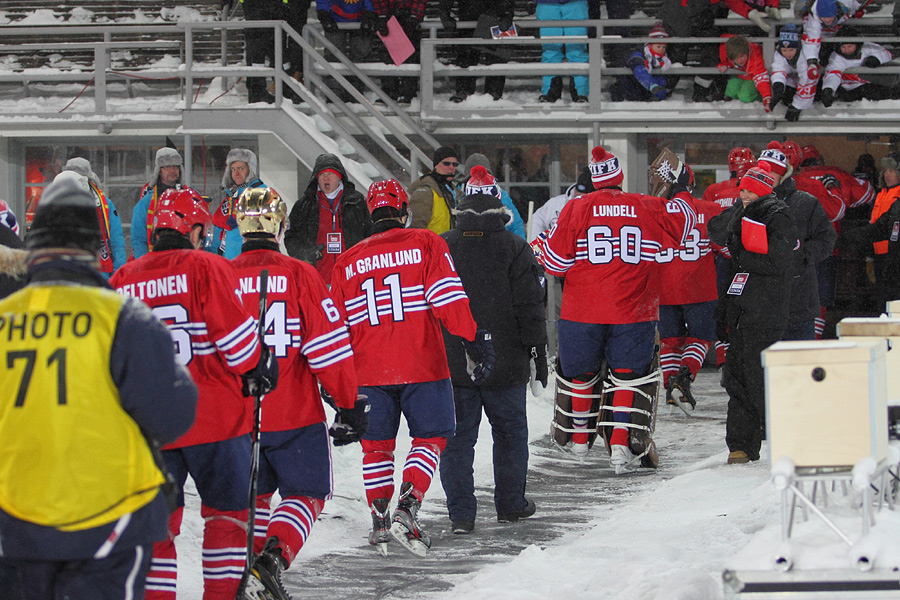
(254, 450)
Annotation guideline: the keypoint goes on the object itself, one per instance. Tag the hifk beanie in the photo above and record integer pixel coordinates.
(482, 182)
(605, 169)
(775, 157)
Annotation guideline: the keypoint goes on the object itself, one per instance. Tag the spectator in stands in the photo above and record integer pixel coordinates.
(823, 19)
(694, 18)
(112, 237)
(432, 197)
(330, 218)
(241, 172)
(515, 224)
(355, 43)
(259, 44)
(296, 14)
(487, 15)
(753, 81)
(409, 14)
(837, 84)
(166, 175)
(784, 66)
(561, 10)
(616, 54)
(756, 11)
(643, 85)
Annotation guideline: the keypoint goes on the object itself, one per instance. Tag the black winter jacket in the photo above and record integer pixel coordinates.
(764, 302)
(356, 223)
(817, 238)
(505, 286)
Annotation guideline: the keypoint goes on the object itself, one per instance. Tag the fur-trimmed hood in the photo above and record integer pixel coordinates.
(481, 211)
(242, 155)
(12, 261)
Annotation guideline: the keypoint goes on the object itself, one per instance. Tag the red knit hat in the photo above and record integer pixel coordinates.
(605, 169)
(482, 182)
(759, 180)
(774, 155)
(659, 31)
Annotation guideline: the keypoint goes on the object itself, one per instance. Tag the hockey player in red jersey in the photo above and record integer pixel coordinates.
(305, 332)
(855, 191)
(194, 294)
(725, 193)
(688, 295)
(396, 288)
(605, 244)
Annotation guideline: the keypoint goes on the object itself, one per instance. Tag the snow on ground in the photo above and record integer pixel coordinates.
(669, 538)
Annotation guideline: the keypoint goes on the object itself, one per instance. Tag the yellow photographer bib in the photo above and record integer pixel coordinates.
(70, 456)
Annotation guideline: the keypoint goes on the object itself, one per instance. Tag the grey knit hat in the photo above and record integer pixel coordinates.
(478, 159)
(242, 155)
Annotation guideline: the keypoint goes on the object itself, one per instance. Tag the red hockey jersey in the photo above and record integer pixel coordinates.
(724, 193)
(396, 288)
(687, 274)
(305, 331)
(193, 293)
(831, 199)
(605, 244)
(854, 191)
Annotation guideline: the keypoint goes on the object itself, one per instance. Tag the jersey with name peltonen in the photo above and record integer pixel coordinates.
(687, 274)
(396, 288)
(605, 245)
(193, 293)
(305, 331)
(724, 193)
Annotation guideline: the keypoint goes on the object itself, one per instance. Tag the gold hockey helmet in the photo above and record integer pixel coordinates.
(260, 210)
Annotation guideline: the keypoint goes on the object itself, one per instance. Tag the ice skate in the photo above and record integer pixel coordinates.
(381, 525)
(580, 451)
(678, 390)
(405, 527)
(623, 460)
(266, 574)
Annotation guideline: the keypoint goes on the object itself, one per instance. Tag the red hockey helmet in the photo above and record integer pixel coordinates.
(181, 208)
(740, 159)
(387, 193)
(793, 152)
(811, 157)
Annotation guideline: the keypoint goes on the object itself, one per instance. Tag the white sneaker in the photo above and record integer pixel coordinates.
(622, 459)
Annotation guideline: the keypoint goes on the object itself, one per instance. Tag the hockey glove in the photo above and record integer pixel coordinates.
(448, 23)
(812, 69)
(830, 181)
(759, 18)
(480, 356)
(328, 23)
(827, 97)
(774, 12)
(871, 62)
(381, 25)
(777, 93)
(262, 379)
(350, 424)
(367, 23)
(505, 22)
(540, 372)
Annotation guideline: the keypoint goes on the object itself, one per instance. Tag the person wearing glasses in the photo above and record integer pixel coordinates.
(432, 197)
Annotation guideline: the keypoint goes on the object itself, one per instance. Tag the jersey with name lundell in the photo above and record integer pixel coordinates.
(605, 245)
(396, 289)
(193, 293)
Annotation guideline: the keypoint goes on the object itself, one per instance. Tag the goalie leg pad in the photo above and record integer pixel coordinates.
(577, 407)
(638, 417)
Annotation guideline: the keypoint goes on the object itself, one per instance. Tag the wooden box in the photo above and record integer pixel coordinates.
(893, 309)
(878, 330)
(826, 402)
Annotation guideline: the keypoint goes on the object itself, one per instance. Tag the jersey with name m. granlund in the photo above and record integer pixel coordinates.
(396, 288)
(605, 245)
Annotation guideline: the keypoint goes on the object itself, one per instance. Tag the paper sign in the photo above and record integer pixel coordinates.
(396, 42)
(753, 236)
(333, 243)
(737, 284)
(511, 32)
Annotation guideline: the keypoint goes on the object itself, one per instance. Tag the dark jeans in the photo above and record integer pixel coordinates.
(745, 384)
(505, 409)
